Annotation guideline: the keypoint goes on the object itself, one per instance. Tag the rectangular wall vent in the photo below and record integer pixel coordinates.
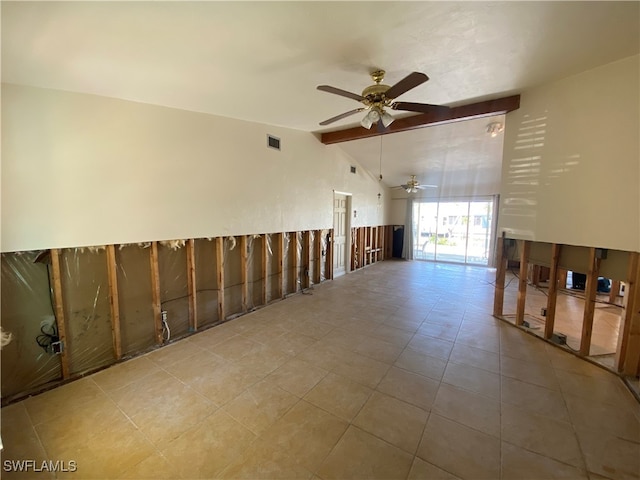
(353, 169)
(273, 142)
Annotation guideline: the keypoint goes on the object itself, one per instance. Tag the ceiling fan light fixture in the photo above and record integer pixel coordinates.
(366, 122)
(386, 119)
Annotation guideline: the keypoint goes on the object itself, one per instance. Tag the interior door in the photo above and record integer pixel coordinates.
(339, 234)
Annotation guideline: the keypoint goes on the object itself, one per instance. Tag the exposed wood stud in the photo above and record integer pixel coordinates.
(589, 302)
(244, 273)
(317, 245)
(281, 266)
(522, 283)
(264, 269)
(562, 277)
(501, 270)
(615, 290)
(455, 114)
(114, 303)
(628, 351)
(220, 277)
(61, 321)
(306, 252)
(293, 250)
(329, 270)
(191, 285)
(155, 292)
(553, 291)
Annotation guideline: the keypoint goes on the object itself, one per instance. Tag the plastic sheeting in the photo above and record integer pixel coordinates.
(232, 276)
(137, 331)
(174, 292)
(299, 274)
(255, 280)
(273, 267)
(324, 242)
(207, 289)
(85, 287)
(26, 304)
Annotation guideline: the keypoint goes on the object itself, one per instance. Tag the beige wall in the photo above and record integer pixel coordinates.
(86, 170)
(571, 167)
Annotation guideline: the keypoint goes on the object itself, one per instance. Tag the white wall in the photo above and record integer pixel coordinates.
(571, 168)
(83, 170)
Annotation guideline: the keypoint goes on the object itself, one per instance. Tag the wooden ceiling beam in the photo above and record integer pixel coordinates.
(487, 108)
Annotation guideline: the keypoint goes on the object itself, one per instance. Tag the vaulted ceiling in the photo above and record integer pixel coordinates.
(262, 61)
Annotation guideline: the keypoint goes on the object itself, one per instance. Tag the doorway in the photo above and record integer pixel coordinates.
(341, 206)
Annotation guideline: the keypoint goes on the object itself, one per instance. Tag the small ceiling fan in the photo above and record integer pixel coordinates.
(378, 96)
(412, 185)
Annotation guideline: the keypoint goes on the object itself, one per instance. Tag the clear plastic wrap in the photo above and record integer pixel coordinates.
(273, 267)
(232, 276)
(324, 241)
(255, 278)
(137, 331)
(174, 292)
(299, 273)
(85, 288)
(288, 272)
(207, 289)
(27, 307)
(313, 261)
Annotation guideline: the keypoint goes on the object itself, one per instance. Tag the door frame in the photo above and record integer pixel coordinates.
(347, 257)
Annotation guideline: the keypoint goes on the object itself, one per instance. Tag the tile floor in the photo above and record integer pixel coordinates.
(394, 371)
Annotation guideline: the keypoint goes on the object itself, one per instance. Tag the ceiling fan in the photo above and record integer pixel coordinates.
(378, 96)
(412, 185)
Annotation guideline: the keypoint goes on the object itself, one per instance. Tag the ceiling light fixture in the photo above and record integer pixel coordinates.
(495, 128)
(374, 115)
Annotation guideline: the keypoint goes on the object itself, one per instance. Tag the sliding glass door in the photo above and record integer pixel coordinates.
(453, 231)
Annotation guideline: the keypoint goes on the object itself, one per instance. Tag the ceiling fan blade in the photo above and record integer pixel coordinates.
(338, 91)
(422, 187)
(419, 107)
(341, 116)
(407, 83)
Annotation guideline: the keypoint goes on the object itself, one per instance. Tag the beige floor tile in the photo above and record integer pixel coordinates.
(392, 420)
(534, 398)
(20, 439)
(293, 343)
(475, 357)
(531, 372)
(361, 369)
(518, 464)
(339, 395)
(443, 331)
(607, 389)
(417, 362)
(465, 452)
(154, 467)
(421, 470)
(61, 400)
(409, 387)
(260, 405)
(264, 360)
(297, 376)
(325, 355)
(361, 455)
(211, 337)
(313, 328)
(307, 433)
(391, 334)
(539, 434)
(473, 379)
(434, 347)
(488, 343)
(235, 348)
(453, 403)
(605, 418)
(225, 382)
(190, 369)
(378, 349)
(174, 352)
(125, 373)
(609, 455)
(207, 448)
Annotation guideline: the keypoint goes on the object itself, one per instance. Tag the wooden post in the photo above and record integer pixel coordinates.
(296, 266)
(562, 277)
(263, 269)
(307, 258)
(354, 248)
(501, 271)
(383, 247)
(589, 302)
(318, 249)
(553, 291)
(114, 303)
(281, 266)
(61, 321)
(244, 273)
(615, 290)
(363, 256)
(329, 270)
(220, 276)
(155, 292)
(522, 283)
(191, 285)
(628, 351)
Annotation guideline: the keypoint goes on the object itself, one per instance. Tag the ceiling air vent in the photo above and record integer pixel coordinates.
(353, 169)
(273, 142)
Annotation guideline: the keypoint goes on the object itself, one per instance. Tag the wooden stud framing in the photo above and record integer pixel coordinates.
(155, 292)
(306, 253)
(562, 277)
(501, 270)
(329, 270)
(191, 284)
(114, 303)
(553, 291)
(589, 302)
(244, 273)
(317, 245)
(220, 276)
(615, 290)
(628, 351)
(61, 321)
(264, 269)
(281, 266)
(522, 284)
(293, 245)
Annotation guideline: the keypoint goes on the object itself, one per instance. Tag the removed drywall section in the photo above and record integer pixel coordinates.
(206, 282)
(174, 293)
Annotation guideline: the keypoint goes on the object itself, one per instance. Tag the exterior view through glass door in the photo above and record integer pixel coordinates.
(453, 231)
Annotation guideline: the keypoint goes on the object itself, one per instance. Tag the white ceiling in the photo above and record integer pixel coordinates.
(262, 61)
